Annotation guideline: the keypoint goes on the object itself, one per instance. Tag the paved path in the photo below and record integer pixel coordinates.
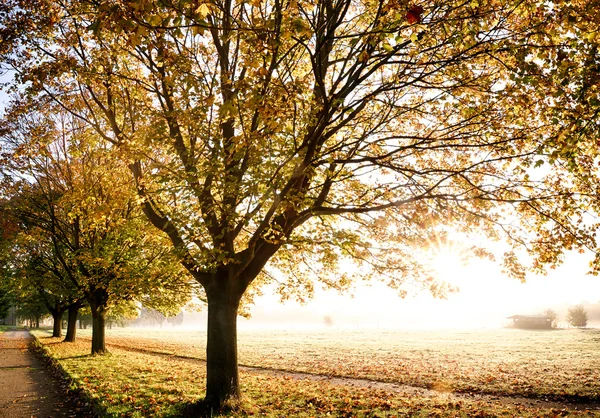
(26, 389)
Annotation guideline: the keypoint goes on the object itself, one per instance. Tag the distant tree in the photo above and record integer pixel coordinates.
(121, 314)
(328, 320)
(553, 316)
(152, 316)
(577, 316)
(176, 320)
(31, 309)
(5, 302)
(85, 318)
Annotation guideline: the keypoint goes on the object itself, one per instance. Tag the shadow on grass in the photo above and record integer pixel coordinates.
(201, 409)
(49, 343)
(76, 357)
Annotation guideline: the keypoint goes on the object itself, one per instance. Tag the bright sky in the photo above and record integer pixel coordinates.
(485, 299)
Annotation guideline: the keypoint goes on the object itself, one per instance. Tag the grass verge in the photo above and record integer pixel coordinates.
(86, 406)
(132, 384)
(4, 328)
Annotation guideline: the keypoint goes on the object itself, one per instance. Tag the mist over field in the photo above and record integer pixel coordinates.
(485, 299)
(334, 312)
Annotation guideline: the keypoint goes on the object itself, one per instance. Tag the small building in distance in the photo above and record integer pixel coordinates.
(531, 321)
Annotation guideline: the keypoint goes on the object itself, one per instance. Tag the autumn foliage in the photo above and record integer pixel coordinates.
(274, 141)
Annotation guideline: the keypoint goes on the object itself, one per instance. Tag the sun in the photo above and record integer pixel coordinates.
(464, 262)
(448, 257)
(448, 264)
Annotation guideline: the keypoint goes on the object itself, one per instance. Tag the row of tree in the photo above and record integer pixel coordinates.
(267, 136)
(74, 234)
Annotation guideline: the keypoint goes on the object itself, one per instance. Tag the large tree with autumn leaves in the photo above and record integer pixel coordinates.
(271, 135)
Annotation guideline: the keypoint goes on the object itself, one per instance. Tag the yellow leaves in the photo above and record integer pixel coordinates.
(300, 28)
(203, 10)
(226, 111)
(210, 100)
(155, 20)
(387, 47)
(198, 30)
(262, 71)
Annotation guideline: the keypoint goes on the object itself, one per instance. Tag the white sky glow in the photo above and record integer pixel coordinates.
(485, 299)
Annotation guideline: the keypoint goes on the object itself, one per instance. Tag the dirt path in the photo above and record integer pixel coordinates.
(26, 389)
(404, 390)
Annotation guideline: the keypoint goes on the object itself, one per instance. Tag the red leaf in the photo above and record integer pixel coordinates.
(414, 14)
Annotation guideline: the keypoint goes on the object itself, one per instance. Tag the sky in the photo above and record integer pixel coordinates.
(485, 299)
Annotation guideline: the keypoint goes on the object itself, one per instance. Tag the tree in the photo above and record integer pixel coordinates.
(561, 81)
(94, 243)
(176, 320)
(553, 317)
(37, 277)
(122, 313)
(577, 316)
(293, 136)
(72, 315)
(5, 302)
(152, 316)
(31, 308)
(7, 234)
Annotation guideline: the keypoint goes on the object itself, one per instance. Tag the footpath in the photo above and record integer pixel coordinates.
(27, 390)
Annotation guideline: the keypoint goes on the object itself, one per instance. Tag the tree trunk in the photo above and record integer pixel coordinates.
(98, 332)
(98, 299)
(222, 381)
(57, 319)
(72, 323)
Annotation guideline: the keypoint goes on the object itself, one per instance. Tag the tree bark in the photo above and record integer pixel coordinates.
(222, 380)
(72, 323)
(57, 310)
(97, 300)
(57, 319)
(98, 332)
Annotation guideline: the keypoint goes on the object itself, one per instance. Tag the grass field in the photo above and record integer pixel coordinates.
(554, 365)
